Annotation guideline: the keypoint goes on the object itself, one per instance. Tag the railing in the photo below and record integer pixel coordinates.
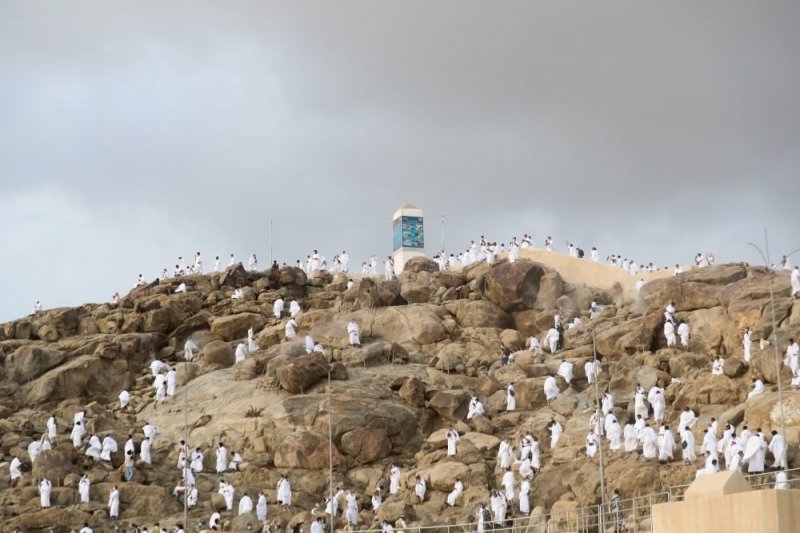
(757, 481)
(632, 515)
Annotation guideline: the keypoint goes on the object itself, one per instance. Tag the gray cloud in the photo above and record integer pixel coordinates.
(133, 133)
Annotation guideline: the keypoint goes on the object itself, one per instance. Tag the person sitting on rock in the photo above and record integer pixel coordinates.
(475, 408)
(717, 365)
(758, 388)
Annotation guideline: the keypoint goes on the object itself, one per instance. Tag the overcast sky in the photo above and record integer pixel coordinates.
(135, 132)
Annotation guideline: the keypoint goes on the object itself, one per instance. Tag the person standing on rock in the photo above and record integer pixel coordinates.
(222, 458)
(124, 399)
(747, 343)
(144, 451)
(649, 443)
(420, 488)
(351, 510)
(669, 333)
(688, 445)
(388, 267)
(252, 263)
(284, 490)
(261, 507)
(458, 488)
(252, 347)
(290, 330)
(551, 391)
(551, 339)
(592, 444)
(683, 333)
(15, 471)
(277, 308)
(394, 479)
(511, 399)
(241, 353)
(452, 440)
(83, 488)
(353, 333)
(555, 432)
(777, 447)
(172, 381)
(666, 446)
(629, 436)
(534, 346)
(113, 503)
(52, 429)
(130, 464)
(245, 504)
(795, 280)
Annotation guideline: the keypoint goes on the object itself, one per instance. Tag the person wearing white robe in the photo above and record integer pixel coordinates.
(237, 294)
(160, 386)
(666, 447)
(555, 432)
(351, 510)
(83, 488)
(669, 333)
(388, 267)
(795, 280)
(252, 263)
(309, 342)
(687, 418)
(124, 399)
(420, 488)
(565, 371)
(44, 492)
(252, 347)
(640, 407)
(452, 440)
(511, 399)
(536, 455)
(261, 507)
(500, 507)
(77, 434)
(777, 446)
(144, 451)
(525, 445)
(747, 342)
(551, 339)
(113, 503)
(181, 288)
(781, 481)
(172, 382)
(659, 406)
(52, 428)
(458, 488)
(608, 421)
(792, 359)
(710, 444)
(214, 520)
(290, 330)
(534, 345)
(688, 445)
(683, 333)
(191, 497)
(615, 436)
(294, 308)
(241, 353)
(353, 333)
(717, 366)
(221, 454)
(550, 389)
(33, 450)
(285, 491)
(95, 447)
(156, 366)
(109, 447)
(649, 443)
(591, 369)
(607, 403)
(592, 444)
(736, 461)
(505, 454)
(524, 497)
(15, 470)
(758, 388)
(475, 408)
(629, 436)
(277, 308)
(245, 504)
(754, 454)
(196, 463)
(508, 484)
(236, 460)
(228, 492)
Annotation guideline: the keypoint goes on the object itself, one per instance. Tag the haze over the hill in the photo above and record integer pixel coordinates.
(132, 135)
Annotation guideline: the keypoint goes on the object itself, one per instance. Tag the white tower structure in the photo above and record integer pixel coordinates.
(408, 235)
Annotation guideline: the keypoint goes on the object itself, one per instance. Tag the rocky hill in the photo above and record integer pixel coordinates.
(430, 339)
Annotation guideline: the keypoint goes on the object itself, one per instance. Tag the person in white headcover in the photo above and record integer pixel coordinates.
(551, 391)
(353, 333)
(747, 343)
(565, 371)
(277, 308)
(252, 347)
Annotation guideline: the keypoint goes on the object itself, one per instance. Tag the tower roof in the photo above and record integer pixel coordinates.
(407, 205)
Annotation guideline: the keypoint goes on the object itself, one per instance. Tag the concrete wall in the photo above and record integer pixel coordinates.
(759, 511)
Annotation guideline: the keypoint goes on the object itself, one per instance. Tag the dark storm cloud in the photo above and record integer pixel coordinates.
(136, 132)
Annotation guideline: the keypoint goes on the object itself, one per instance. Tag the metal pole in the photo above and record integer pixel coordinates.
(186, 443)
(777, 356)
(775, 343)
(330, 445)
(442, 235)
(600, 446)
(270, 243)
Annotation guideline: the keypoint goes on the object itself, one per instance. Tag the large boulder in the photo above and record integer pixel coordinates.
(305, 449)
(366, 445)
(30, 362)
(413, 392)
(234, 327)
(420, 264)
(514, 286)
(297, 374)
(217, 354)
(478, 314)
(53, 465)
(450, 404)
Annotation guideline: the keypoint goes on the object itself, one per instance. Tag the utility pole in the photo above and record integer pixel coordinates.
(270, 243)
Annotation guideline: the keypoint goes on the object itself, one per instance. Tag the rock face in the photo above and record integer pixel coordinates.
(430, 341)
(514, 286)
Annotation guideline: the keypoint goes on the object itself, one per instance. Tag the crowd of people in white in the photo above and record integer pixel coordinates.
(645, 432)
